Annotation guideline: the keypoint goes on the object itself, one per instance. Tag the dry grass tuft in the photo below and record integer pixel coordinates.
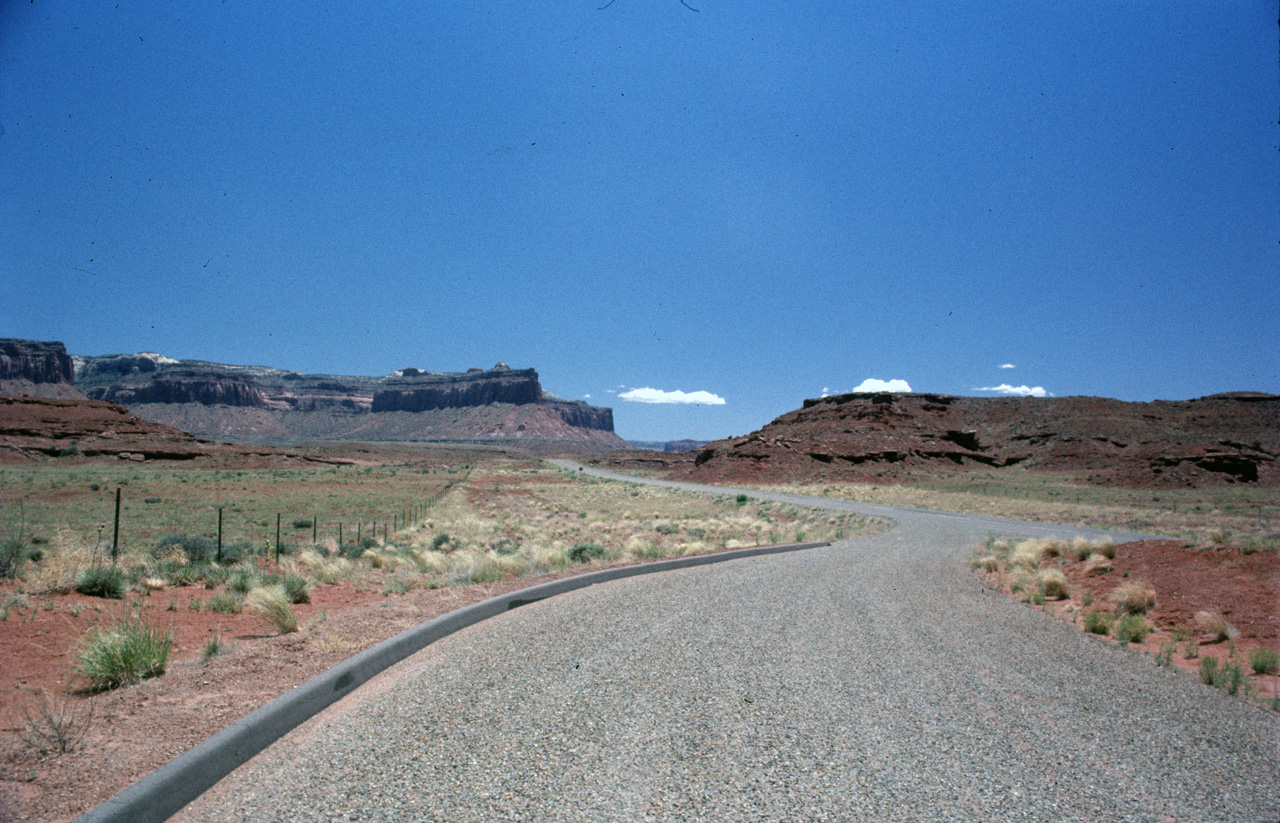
(1026, 555)
(1097, 564)
(323, 569)
(1054, 584)
(1134, 597)
(1215, 625)
(274, 603)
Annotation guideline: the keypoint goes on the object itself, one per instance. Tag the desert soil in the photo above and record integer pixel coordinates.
(1243, 588)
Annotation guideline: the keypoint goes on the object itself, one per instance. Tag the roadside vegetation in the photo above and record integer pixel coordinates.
(455, 518)
(1038, 572)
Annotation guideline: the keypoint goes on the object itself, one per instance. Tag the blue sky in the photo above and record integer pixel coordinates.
(753, 203)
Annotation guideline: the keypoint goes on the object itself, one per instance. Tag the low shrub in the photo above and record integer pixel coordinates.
(297, 588)
(586, 552)
(1097, 622)
(1134, 597)
(1209, 671)
(667, 528)
(102, 581)
(242, 580)
(1264, 661)
(132, 651)
(1231, 677)
(1132, 628)
(506, 546)
(13, 553)
(197, 548)
(302, 523)
(741, 499)
(56, 726)
(224, 604)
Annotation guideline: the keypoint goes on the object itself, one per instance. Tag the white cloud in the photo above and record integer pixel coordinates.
(586, 397)
(1016, 391)
(1008, 366)
(826, 392)
(871, 384)
(647, 395)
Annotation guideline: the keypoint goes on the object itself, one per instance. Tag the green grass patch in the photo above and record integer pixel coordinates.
(130, 652)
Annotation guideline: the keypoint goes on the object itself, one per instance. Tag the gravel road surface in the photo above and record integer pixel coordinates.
(875, 680)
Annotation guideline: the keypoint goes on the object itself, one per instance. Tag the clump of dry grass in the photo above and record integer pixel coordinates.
(1054, 584)
(1106, 547)
(1026, 555)
(324, 569)
(1080, 548)
(1215, 625)
(1097, 564)
(1135, 597)
(431, 562)
(274, 603)
(1020, 579)
(986, 563)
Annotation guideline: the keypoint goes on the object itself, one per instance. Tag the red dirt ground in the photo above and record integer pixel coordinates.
(1244, 589)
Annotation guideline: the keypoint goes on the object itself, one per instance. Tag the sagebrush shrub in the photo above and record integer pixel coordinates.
(102, 581)
(1132, 628)
(1097, 622)
(297, 588)
(198, 549)
(224, 604)
(1264, 661)
(586, 552)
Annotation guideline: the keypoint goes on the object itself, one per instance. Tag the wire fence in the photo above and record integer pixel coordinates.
(124, 525)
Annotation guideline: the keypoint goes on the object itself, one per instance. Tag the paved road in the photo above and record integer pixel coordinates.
(875, 680)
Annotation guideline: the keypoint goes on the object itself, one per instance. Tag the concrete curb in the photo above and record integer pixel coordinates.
(165, 791)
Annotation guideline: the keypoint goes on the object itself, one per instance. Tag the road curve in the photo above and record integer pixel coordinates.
(874, 680)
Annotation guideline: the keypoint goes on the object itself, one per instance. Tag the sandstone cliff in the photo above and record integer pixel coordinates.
(259, 404)
(37, 369)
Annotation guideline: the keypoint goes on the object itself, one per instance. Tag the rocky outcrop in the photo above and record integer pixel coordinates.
(580, 415)
(182, 384)
(40, 427)
(259, 404)
(35, 368)
(424, 391)
(880, 437)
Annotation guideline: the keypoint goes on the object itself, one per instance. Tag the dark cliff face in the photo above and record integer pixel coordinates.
(35, 361)
(475, 388)
(577, 413)
(185, 385)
